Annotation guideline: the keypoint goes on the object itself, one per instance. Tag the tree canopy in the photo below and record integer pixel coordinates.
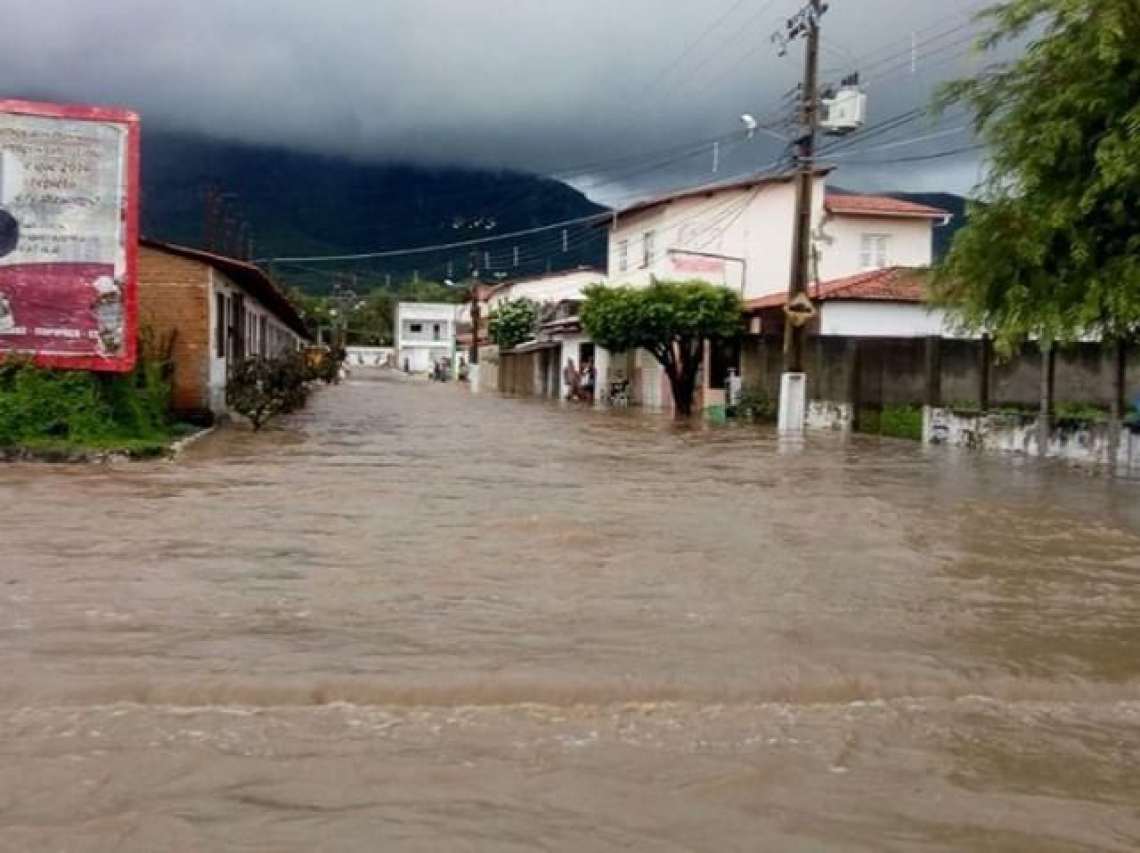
(1052, 247)
(671, 320)
(513, 322)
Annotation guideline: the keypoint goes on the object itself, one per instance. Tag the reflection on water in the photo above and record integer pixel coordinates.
(417, 620)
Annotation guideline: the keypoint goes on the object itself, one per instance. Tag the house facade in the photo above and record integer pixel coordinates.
(207, 312)
(739, 235)
(425, 334)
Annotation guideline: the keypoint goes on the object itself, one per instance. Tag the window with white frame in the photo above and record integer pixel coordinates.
(623, 256)
(873, 251)
(650, 248)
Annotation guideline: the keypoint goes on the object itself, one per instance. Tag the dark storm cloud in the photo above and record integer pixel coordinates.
(537, 84)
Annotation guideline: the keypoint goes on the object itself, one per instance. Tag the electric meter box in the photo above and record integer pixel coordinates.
(845, 113)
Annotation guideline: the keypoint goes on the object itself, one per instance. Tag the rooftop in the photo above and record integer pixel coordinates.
(892, 284)
(851, 204)
(249, 277)
(746, 183)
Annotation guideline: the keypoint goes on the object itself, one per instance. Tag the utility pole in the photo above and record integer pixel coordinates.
(799, 310)
(476, 321)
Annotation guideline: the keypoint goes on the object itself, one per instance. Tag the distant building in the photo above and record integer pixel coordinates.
(425, 334)
(208, 312)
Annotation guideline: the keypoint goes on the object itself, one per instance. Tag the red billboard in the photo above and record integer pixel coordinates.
(69, 179)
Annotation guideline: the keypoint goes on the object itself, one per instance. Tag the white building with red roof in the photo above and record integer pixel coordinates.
(884, 303)
(739, 234)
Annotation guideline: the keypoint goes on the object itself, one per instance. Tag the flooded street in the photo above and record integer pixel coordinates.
(416, 620)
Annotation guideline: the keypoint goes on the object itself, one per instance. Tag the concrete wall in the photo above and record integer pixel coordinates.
(370, 356)
(1082, 443)
(894, 372)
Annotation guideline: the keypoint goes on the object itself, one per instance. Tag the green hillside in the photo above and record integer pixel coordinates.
(302, 204)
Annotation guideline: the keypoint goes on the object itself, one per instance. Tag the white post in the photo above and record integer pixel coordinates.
(793, 405)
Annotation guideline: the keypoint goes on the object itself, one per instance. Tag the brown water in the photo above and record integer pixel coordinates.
(421, 621)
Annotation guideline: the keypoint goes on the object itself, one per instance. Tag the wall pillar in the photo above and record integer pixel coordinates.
(985, 373)
(853, 367)
(1119, 403)
(1048, 395)
(933, 385)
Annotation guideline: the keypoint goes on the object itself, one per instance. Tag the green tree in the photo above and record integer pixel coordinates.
(315, 309)
(513, 322)
(1052, 247)
(371, 323)
(672, 320)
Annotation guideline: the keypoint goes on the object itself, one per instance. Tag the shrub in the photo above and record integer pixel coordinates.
(57, 408)
(262, 389)
(327, 367)
(893, 422)
(754, 405)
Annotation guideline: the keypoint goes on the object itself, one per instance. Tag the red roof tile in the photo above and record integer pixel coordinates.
(873, 205)
(893, 284)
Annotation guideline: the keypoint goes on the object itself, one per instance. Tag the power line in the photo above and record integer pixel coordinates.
(900, 143)
(675, 63)
(953, 152)
(719, 207)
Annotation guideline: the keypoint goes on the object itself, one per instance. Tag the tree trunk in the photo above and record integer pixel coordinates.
(682, 373)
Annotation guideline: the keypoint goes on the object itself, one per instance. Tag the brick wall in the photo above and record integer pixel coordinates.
(173, 305)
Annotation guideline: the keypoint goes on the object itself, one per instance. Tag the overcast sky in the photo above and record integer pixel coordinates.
(533, 84)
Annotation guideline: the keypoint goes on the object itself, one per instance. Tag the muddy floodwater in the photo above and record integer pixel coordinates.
(416, 620)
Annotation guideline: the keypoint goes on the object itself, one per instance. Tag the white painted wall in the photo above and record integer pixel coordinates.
(278, 337)
(880, 319)
(369, 356)
(754, 225)
(910, 243)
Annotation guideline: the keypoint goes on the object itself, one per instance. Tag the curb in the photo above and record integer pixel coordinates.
(182, 445)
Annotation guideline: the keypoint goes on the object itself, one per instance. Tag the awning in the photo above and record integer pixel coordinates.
(533, 346)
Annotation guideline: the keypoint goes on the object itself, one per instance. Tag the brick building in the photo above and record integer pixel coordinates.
(210, 311)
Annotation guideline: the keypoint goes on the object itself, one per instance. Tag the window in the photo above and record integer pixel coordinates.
(435, 332)
(623, 256)
(650, 247)
(263, 334)
(873, 252)
(221, 308)
(416, 328)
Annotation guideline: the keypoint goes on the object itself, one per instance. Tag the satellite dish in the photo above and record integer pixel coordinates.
(9, 233)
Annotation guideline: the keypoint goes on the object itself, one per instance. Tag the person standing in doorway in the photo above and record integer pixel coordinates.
(589, 378)
(571, 380)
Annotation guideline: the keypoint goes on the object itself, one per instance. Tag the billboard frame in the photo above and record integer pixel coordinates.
(126, 361)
